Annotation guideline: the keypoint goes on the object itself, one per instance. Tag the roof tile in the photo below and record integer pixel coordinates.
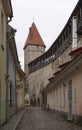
(34, 37)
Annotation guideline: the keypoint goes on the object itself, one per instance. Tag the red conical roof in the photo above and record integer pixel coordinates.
(34, 37)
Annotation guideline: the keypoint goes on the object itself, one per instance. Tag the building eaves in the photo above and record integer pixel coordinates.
(20, 71)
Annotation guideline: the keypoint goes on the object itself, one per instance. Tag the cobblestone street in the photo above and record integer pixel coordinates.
(38, 119)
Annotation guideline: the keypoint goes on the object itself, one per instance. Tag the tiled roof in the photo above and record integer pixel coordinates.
(34, 37)
(56, 73)
(76, 52)
(62, 66)
(51, 78)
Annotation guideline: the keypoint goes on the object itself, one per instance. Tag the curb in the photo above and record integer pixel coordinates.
(19, 120)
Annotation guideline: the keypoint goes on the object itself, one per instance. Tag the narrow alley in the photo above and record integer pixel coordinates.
(43, 72)
(38, 119)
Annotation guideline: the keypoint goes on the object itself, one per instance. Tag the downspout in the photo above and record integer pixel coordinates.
(74, 33)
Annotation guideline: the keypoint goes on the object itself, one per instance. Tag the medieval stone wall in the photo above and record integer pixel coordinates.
(43, 67)
(39, 79)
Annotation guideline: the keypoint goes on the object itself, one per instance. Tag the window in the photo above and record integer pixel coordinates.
(74, 95)
(67, 33)
(70, 84)
(60, 88)
(79, 13)
(56, 96)
(64, 95)
(10, 93)
(70, 28)
(70, 89)
(63, 86)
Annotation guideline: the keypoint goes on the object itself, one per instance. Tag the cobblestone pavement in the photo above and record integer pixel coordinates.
(38, 119)
(12, 123)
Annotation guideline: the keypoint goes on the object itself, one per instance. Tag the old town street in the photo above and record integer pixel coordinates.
(38, 119)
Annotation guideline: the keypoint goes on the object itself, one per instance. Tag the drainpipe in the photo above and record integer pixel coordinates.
(74, 33)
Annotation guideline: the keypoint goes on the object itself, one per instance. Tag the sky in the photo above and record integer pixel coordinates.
(49, 16)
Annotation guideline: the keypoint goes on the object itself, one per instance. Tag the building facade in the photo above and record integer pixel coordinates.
(63, 93)
(12, 63)
(16, 76)
(5, 14)
(20, 85)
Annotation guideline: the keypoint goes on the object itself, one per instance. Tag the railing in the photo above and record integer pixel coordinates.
(34, 66)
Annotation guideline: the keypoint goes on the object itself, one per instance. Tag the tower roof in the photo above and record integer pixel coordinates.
(34, 37)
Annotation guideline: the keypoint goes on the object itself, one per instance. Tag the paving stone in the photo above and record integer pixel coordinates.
(13, 121)
(38, 119)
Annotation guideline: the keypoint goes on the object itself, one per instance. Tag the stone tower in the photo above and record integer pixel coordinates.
(34, 46)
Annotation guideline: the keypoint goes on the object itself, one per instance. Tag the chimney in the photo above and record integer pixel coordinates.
(74, 33)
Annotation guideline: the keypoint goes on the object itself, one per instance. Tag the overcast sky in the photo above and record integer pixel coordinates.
(50, 16)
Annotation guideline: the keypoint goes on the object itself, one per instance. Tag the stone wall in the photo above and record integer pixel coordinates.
(3, 64)
(43, 68)
(31, 52)
(39, 79)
